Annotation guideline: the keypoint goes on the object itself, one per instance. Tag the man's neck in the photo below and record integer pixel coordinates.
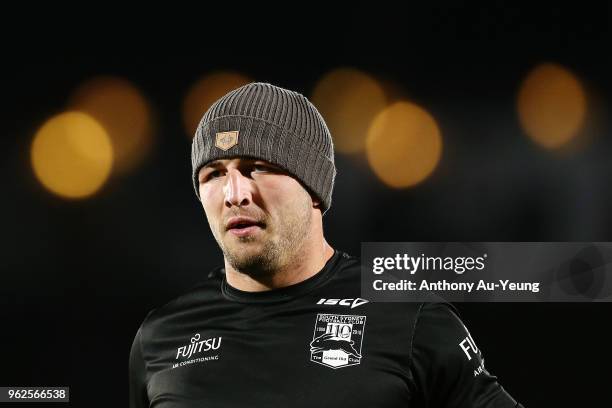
(304, 265)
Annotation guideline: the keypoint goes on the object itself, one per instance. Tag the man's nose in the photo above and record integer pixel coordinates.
(237, 189)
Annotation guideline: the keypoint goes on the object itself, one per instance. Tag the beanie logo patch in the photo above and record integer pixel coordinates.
(226, 140)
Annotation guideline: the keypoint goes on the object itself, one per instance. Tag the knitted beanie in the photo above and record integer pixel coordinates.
(263, 121)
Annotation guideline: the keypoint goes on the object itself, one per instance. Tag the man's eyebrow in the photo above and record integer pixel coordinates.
(217, 163)
(267, 163)
(214, 163)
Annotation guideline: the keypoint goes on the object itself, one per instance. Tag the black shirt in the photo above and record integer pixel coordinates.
(313, 344)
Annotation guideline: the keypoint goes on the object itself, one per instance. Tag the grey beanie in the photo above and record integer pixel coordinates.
(264, 121)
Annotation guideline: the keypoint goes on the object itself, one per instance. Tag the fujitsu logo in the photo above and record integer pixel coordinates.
(198, 346)
(353, 303)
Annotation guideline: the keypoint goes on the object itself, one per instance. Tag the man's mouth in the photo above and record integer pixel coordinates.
(243, 226)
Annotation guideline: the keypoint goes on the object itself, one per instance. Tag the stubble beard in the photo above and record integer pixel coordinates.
(275, 253)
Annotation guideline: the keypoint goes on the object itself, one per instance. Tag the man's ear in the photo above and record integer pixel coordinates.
(316, 203)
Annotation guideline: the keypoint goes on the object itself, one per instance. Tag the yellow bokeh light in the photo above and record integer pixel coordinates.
(404, 145)
(72, 155)
(120, 107)
(551, 105)
(205, 92)
(349, 100)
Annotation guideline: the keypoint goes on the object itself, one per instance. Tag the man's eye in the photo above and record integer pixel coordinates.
(259, 168)
(213, 174)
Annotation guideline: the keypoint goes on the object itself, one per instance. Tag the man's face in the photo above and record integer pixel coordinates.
(259, 214)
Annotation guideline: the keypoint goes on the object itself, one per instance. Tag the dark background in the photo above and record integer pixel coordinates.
(78, 277)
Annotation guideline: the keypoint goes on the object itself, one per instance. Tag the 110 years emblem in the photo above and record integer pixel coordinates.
(337, 340)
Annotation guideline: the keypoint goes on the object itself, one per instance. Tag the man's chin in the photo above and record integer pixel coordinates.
(252, 263)
(242, 248)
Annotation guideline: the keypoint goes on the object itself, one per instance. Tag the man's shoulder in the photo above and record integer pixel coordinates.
(203, 294)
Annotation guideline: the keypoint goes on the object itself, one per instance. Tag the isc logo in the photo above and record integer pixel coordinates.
(353, 303)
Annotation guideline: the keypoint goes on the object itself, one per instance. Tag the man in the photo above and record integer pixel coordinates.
(282, 324)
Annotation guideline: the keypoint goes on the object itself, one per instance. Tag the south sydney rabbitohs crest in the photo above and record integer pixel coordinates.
(337, 340)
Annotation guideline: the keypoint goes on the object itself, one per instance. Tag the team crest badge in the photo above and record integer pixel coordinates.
(226, 140)
(337, 340)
